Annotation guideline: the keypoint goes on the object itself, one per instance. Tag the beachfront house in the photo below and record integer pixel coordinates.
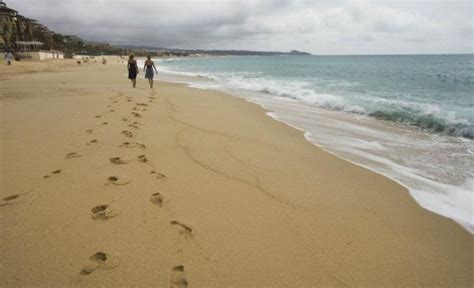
(32, 50)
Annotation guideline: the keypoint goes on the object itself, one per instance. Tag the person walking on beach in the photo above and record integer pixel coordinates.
(150, 69)
(9, 57)
(132, 70)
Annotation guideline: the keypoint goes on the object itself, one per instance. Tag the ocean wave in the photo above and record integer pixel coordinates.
(297, 90)
(429, 122)
(424, 115)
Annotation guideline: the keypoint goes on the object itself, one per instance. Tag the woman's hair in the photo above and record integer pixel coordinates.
(148, 57)
(131, 56)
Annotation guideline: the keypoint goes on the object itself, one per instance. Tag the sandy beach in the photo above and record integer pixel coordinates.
(103, 185)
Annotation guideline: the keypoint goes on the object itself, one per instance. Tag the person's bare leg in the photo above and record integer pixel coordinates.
(134, 82)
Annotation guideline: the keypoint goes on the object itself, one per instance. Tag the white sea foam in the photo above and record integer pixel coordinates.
(454, 200)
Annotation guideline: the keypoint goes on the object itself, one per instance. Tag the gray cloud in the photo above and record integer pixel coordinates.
(321, 27)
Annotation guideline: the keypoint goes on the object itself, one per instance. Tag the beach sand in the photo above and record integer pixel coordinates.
(243, 200)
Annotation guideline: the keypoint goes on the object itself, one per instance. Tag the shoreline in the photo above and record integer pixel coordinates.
(251, 190)
(420, 183)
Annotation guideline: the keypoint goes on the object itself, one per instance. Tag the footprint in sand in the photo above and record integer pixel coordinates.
(142, 104)
(156, 198)
(7, 200)
(104, 212)
(98, 116)
(111, 110)
(135, 108)
(136, 114)
(105, 123)
(118, 180)
(118, 160)
(133, 145)
(142, 158)
(178, 277)
(89, 131)
(124, 119)
(158, 175)
(182, 229)
(99, 261)
(128, 145)
(57, 171)
(133, 126)
(127, 133)
(92, 141)
(73, 155)
(11, 197)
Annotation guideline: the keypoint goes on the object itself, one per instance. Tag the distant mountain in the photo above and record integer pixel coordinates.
(296, 52)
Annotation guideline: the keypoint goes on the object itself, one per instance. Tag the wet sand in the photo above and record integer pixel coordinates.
(103, 185)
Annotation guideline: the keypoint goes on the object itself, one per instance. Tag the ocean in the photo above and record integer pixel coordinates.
(410, 118)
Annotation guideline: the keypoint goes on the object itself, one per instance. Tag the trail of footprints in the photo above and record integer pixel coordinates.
(103, 212)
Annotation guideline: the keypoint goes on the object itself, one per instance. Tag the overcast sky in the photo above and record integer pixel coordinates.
(316, 26)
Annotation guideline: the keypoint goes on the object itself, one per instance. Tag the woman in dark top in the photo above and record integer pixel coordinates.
(132, 70)
(148, 69)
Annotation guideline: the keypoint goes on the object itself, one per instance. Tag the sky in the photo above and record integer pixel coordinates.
(316, 26)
